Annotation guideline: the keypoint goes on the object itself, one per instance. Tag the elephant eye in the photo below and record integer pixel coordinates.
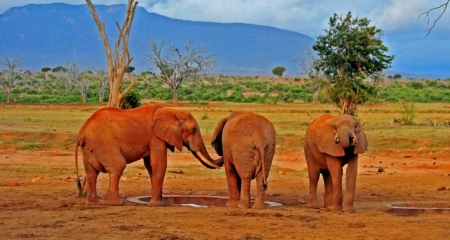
(194, 130)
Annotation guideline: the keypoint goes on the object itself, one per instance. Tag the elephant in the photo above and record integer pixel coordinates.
(112, 138)
(247, 143)
(330, 143)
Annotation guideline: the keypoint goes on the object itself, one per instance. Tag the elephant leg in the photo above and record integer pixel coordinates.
(313, 174)
(260, 192)
(156, 166)
(234, 184)
(328, 183)
(244, 201)
(335, 168)
(112, 197)
(350, 183)
(91, 180)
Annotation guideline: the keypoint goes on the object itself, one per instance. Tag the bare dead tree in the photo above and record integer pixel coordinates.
(177, 66)
(70, 74)
(63, 74)
(309, 66)
(103, 77)
(426, 15)
(78, 78)
(119, 61)
(9, 77)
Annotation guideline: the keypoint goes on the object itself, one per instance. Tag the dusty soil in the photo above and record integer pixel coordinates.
(44, 205)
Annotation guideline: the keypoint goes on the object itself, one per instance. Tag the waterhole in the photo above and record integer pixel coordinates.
(419, 208)
(194, 200)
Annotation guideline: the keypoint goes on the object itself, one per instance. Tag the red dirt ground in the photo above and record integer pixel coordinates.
(45, 204)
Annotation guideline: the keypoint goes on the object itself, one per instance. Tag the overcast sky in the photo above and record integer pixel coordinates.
(404, 31)
(305, 16)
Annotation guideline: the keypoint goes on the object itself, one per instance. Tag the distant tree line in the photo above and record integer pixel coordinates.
(52, 87)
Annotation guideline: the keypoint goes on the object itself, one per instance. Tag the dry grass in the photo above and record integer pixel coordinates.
(43, 127)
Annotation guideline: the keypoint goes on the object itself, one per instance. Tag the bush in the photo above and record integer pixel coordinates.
(131, 100)
(409, 113)
(417, 85)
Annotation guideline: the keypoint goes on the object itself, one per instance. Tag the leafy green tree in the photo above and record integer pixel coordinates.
(278, 71)
(349, 52)
(397, 76)
(130, 69)
(59, 69)
(46, 69)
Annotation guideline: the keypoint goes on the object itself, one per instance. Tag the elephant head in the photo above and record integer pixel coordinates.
(341, 134)
(179, 128)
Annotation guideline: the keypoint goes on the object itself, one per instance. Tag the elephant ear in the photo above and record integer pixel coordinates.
(362, 144)
(216, 140)
(167, 127)
(326, 139)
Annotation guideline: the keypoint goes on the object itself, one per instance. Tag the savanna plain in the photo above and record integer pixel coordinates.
(404, 164)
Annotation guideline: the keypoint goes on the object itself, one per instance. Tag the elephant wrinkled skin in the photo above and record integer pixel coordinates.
(247, 143)
(330, 143)
(112, 138)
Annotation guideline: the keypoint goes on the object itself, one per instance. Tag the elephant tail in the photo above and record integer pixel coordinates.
(78, 142)
(263, 166)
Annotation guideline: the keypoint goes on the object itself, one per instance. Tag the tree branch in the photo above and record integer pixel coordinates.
(427, 16)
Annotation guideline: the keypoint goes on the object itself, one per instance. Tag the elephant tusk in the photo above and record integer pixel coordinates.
(355, 140)
(204, 159)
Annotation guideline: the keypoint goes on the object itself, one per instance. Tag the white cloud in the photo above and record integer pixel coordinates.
(305, 16)
(397, 17)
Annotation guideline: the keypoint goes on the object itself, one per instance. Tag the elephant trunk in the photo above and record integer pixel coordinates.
(203, 156)
(345, 137)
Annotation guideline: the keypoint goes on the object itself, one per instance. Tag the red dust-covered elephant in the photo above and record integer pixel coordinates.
(330, 143)
(112, 138)
(247, 143)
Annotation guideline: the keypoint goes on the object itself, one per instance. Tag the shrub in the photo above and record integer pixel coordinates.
(131, 100)
(409, 113)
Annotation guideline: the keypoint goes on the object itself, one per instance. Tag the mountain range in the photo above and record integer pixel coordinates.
(49, 35)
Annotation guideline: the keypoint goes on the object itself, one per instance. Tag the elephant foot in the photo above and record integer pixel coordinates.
(348, 209)
(92, 201)
(335, 208)
(259, 205)
(243, 204)
(312, 205)
(115, 201)
(232, 203)
(157, 203)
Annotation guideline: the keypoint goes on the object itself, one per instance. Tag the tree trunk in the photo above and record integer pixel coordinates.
(316, 91)
(114, 93)
(84, 98)
(120, 60)
(175, 96)
(347, 107)
(8, 98)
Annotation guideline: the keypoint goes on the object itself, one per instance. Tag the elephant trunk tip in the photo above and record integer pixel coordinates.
(352, 141)
(206, 162)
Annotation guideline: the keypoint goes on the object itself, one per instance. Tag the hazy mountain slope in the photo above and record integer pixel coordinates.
(50, 34)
